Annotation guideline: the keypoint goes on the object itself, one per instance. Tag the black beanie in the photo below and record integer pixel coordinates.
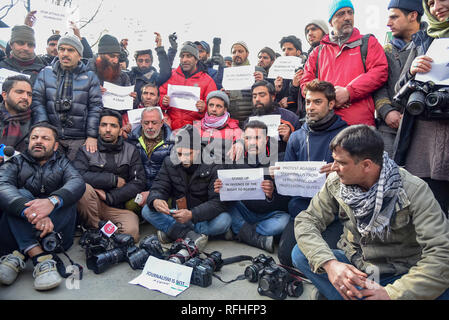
(108, 44)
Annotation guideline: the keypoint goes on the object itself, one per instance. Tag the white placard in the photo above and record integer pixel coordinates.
(164, 276)
(184, 97)
(5, 73)
(284, 67)
(134, 117)
(117, 97)
(299, 178)
(241, 184)
(50, 16)
(238, 78)
(272, 121)
(439, 52)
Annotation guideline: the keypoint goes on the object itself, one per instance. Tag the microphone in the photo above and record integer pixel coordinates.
(9, 153)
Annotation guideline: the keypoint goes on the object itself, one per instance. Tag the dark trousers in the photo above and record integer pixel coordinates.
(18, 234)
(440, 190)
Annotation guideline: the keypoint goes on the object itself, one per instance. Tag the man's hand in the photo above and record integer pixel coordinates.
(126, 130)
(327, 168)
(91, 145)
(120, 182)
(297, 78)
(272, 169)
(158, 40)
(278, 84)
(283, 103)
(45, 225)
(182, 215)
(144, 195)
(76, 30)
(101, 194)
(344, 277)
(236, 151)
(166, 101)
(258, 76)
(103, 89)
(217, 185)
(268, 188)
(201, 106)
(393, 119)
(133, 95)
(374, 291)
(38, 209)
(341, 96)
(284, 131)
(161, 206)
(30, 19)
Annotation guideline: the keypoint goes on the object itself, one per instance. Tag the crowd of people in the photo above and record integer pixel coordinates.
(381, 214)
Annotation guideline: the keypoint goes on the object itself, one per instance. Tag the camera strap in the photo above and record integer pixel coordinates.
(62, 270)
(230, 261)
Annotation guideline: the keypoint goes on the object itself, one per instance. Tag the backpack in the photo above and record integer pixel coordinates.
(363, 52)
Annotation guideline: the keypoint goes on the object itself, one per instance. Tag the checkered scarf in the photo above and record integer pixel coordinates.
(12, 131)
(374, 209)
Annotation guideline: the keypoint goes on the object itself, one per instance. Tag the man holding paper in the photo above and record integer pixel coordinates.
(190, 73)
(68, 96)
(256, 222)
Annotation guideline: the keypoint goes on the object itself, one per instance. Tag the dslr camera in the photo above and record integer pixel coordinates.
(425, 98)
(51, 243)
(260, 262)
(204, 268)
(182, 250)
(149, 246)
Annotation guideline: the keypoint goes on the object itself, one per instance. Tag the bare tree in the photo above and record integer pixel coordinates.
(7, 7)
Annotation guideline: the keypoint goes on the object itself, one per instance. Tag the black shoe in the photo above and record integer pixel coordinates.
(249, 235)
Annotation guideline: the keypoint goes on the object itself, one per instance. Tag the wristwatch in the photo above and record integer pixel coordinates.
(54, 201)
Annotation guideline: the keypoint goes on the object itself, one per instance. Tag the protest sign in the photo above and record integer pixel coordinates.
(117, 97)
(241, 184)
(238, 78)
(299, 178)
(184, 97)
(134, 117)
(164, 276)
(272, 121)
(284, 67)
(51, 15)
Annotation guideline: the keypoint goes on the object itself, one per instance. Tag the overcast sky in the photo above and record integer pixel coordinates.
(259, 23)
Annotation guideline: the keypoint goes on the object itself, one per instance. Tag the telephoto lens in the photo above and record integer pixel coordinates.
(99, 263)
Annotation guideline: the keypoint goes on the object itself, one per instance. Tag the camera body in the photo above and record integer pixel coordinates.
(216, 46)
(182, 250)
(149, 246)
(51, 243)
(252, 272)
(204, 268)
(425, 99)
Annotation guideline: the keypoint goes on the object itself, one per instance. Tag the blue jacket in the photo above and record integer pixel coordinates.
(153, 164)
(307, 145)
(87, 103)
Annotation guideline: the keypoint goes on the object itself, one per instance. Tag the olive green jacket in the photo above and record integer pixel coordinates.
(417, 244)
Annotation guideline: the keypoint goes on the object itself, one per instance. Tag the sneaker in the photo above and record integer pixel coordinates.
(229, 235)
(163, 237)
(199, 239)
(45, 274)
(10, 266)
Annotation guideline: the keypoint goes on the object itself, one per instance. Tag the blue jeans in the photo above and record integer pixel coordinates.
(268, 224)
(161, 221)
(321, 281)
(23, 234)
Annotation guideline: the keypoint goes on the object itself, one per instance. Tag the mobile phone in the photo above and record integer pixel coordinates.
(172, 211)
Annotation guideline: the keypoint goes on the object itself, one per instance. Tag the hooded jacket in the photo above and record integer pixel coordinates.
(201, 79)
(333, 67)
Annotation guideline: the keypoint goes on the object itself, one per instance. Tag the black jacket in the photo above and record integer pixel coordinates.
(56, 177)
(32, 70)
(174, 182)
(87, 102)
(103, 168)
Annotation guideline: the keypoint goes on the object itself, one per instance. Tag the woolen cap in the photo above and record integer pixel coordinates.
(190, 47)
(108, 44)
(72, 41)
(409, 5)
(270, 52)
(218, 94)
(22, 33)
(337, 5)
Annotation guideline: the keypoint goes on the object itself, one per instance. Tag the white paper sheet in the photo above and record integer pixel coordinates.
(184, 97)
(284, 67)
(439, 52)
(117, 97)
(164, 276)
(241, 184)
(299, 178)
(272, 122)
(238, 78)
(5, 73)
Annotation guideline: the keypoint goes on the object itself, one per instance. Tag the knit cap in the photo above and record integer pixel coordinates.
(108, 44)
(22, 33)
(190, 47)
(72, 41)
(218, 94)
(337, 5)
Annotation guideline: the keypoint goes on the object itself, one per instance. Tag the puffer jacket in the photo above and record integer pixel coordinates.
(172, 182)
(153, 164)
(86, 102)
(102, 169)
(200, 78)
(333, 67)
(56, 177)
(416, 246)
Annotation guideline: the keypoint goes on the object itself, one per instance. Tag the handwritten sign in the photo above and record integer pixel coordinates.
(299, 178)
(184, 97)
(117, 97)
(284, 67)
(238, 78)
(241, 184)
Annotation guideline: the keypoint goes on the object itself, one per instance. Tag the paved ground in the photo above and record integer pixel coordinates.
(113, 283)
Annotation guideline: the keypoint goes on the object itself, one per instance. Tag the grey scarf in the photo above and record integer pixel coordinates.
(374, 209)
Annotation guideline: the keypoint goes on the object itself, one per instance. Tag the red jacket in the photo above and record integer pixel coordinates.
(344, 67)
(231, 131)
(179, 117)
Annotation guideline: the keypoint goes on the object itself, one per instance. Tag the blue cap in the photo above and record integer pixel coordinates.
(337, 5)
(409, 5)
(204, 44)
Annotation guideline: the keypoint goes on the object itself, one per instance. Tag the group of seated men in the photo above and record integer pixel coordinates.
(81, 162)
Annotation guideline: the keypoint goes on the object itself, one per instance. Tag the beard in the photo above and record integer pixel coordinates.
(107, 71)
(19, 107)
(262, 110)
(40, 155)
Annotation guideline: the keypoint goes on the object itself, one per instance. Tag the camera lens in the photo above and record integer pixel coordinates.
(138, 259)
(99, 263)
(416, 103)
(266, 283)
